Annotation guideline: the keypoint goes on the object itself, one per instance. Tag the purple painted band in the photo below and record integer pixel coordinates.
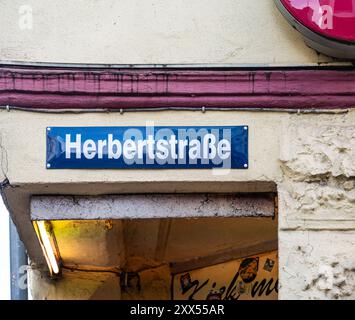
(81, 88)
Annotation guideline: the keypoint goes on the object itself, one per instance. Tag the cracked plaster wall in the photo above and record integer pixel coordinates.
(317, 208)
(310, 158)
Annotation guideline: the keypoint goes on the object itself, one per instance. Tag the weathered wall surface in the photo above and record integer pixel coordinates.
(317, 264)
(144, 32)
(22, 136)
(309, 157)
(154, 285)
(317, 208)
(74, 285)
(24, 146)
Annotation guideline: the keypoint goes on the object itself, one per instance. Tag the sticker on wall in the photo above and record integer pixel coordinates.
(249, 278)
(147, 147)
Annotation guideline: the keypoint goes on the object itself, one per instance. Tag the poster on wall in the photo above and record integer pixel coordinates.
(250, 278)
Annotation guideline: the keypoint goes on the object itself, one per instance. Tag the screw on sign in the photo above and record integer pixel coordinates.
(326, 25)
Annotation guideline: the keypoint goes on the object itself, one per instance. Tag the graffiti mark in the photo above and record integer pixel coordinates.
(233, 280)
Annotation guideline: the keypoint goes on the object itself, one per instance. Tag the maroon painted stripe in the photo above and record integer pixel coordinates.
(31, 87)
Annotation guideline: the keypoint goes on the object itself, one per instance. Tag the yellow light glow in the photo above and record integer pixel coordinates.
(47, 247)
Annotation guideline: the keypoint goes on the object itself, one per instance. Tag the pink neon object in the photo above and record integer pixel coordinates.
(331, 18)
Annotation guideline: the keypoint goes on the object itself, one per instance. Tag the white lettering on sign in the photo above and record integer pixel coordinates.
(76, 145)
(162, 147)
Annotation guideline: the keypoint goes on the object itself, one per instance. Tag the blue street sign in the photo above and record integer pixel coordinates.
(147, 147)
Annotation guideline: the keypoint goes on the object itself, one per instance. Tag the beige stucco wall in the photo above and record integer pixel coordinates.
(317, 208)
(309, 158)
(151, 32)
(29, 140)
